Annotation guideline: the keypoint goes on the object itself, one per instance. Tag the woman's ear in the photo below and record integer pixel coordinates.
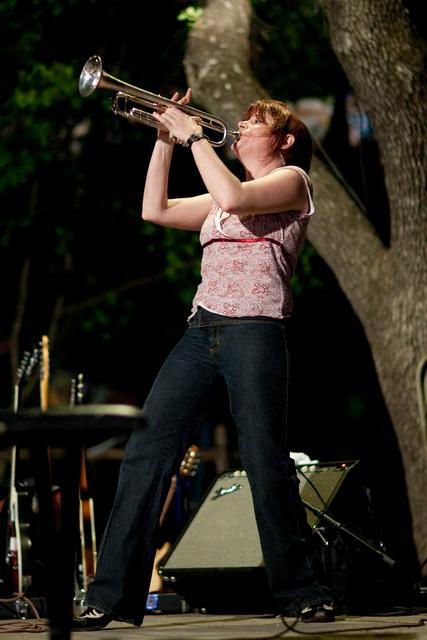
(288, 141)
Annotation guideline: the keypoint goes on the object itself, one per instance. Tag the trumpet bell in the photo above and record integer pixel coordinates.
(90, 76)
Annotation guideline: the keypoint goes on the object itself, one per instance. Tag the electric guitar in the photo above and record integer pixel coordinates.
(18, 542)
(87, 514)
(187, 469)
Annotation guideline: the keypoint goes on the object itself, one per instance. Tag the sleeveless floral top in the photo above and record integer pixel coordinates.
(248, 262)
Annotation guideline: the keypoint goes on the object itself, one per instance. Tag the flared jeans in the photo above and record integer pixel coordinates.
(250, 355)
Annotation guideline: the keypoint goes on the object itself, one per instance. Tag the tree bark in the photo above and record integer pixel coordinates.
(384, 59)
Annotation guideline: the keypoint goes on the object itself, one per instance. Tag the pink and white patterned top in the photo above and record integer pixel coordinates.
(248, 262)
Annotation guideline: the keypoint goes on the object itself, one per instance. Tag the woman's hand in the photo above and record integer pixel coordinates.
(179, 125)
(163, 134)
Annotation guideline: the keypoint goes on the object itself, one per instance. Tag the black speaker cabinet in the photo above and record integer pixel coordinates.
(217, 563)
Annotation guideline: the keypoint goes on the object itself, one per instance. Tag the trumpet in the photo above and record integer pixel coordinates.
(129, 100)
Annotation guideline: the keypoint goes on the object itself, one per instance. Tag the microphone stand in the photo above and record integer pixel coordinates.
(339, 526)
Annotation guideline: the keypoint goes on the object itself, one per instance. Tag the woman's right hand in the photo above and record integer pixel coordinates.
(164, 135)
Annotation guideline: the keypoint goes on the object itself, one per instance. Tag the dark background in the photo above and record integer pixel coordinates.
(70, 205)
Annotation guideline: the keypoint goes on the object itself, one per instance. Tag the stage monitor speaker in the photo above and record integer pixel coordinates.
(217, 563)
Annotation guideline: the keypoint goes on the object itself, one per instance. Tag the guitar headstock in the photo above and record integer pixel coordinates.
(80, 390)
(24, 373)
(191, 461)
(22, 368)
(20, 377)
(44, 373)
(32, 363)
(77, 390)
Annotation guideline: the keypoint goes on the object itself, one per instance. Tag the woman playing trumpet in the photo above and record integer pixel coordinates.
(251, 233)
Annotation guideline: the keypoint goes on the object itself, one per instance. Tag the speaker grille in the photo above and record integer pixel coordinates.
(222, 532)
(319, 485)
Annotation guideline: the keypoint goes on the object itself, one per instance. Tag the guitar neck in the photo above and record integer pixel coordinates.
(44, 374)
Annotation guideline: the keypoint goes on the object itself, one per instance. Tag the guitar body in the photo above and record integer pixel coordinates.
(187, 469)
(86, 510)
(87, 530)
(156, 583)
(18, 544)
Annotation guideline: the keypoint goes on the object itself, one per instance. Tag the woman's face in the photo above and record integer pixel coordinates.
(255, 134)
(256, 125)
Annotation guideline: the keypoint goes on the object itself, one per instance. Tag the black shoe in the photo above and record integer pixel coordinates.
(318, 613)
(90, 620)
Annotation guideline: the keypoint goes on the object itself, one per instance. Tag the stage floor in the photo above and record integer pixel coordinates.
(191, 626)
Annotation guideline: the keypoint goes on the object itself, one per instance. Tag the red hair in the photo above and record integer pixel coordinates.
(285, 122)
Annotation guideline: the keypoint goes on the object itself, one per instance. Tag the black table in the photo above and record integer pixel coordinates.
(68, 428)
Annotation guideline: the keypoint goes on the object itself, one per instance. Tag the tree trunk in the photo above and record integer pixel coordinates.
(383, 58)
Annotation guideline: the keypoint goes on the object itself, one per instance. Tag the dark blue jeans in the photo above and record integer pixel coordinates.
(251, 356)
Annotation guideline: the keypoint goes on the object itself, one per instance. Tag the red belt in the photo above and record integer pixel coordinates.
(279, 244)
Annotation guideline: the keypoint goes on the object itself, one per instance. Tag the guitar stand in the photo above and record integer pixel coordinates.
(339, 526)
(68, 428)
